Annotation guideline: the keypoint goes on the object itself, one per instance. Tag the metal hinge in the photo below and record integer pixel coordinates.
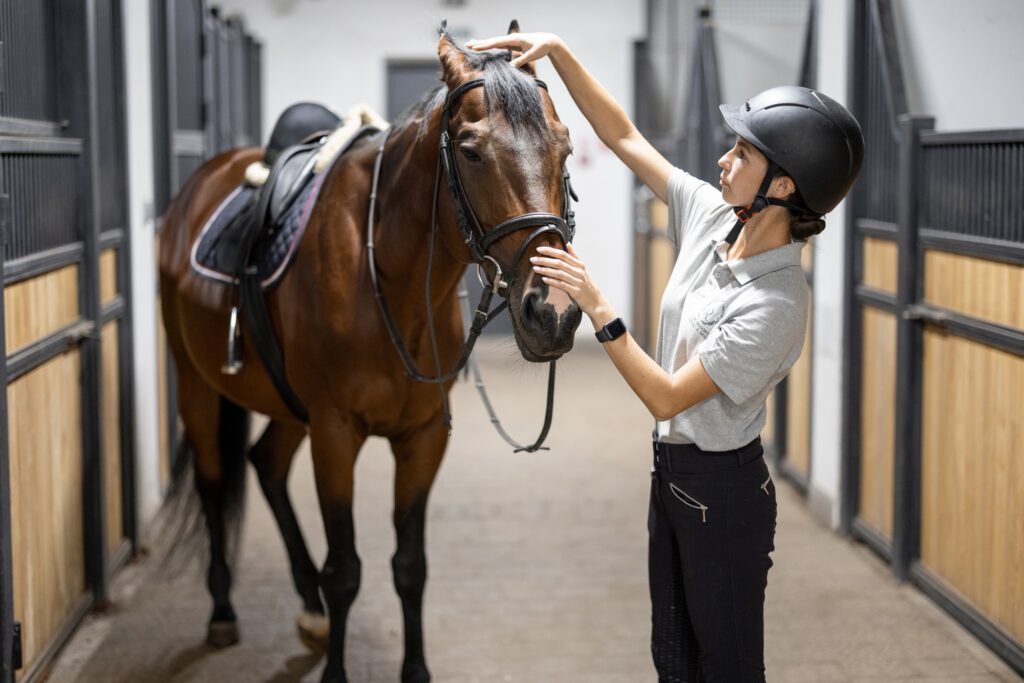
(926, 313)
(85, 329)
(16, 647)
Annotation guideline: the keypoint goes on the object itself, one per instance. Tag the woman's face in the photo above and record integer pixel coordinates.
(743, 169)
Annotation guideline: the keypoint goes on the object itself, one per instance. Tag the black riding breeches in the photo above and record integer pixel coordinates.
(712, 527)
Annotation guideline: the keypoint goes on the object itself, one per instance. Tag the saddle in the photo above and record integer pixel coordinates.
(253, 235)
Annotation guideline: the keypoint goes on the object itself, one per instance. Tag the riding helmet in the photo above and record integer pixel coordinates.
(815, 140)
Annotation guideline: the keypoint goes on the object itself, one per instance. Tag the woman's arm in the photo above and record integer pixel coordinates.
(606, 117)
(664, 395)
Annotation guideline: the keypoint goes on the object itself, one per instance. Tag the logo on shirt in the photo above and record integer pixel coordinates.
(708, 317)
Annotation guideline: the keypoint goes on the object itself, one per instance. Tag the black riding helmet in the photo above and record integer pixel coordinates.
(809, 136)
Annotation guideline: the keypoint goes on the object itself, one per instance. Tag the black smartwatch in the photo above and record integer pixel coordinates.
(612, 331)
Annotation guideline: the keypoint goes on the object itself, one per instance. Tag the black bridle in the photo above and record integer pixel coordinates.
(479, 242)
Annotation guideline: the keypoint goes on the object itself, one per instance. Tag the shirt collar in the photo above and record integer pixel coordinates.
(748, 269)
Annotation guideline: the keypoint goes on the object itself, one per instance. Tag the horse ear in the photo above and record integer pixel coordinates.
(453, 60)
(530, 67)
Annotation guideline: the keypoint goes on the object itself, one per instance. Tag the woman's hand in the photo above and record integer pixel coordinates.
(532, 45)
(565, 271)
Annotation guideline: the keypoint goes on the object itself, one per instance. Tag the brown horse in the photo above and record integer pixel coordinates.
(508, 149)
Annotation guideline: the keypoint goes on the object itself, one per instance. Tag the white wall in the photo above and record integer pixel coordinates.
(829, 261)
(335, 52)
(962, 61)
(138, 82)
(759, 45)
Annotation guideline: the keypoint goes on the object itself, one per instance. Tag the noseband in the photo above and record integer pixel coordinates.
(479, 242)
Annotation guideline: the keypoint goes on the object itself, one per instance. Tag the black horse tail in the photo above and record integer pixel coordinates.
(182, 526)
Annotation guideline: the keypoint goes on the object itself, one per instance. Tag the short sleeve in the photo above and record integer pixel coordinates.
(747, 349)
(693, 206)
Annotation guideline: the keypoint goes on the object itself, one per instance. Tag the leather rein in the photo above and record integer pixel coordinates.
(478, 241)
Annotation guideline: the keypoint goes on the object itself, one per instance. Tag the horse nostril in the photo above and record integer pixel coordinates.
(532, 304)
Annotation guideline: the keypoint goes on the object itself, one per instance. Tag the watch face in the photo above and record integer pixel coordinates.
(616, 328)
(613, 330)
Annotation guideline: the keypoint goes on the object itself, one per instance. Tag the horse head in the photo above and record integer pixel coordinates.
(509, 190)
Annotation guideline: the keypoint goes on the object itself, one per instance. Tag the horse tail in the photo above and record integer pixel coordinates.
(182, 523)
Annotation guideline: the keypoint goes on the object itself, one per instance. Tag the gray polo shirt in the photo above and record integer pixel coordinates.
(746, 318)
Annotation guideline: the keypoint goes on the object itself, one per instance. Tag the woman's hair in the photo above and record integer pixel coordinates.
(802, 224)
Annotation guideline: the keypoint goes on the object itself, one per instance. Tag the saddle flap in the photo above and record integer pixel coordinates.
(287, 178)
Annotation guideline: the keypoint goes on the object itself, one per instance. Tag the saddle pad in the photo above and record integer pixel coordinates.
(213, 251)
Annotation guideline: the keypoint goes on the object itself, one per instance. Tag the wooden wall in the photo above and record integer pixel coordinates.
(880, 264)
(110, 419)
(163, 396)
(39, 307)
(972, 472)
(798, 409)
(983, 289)
(45, 449)
(108, 276)
(662, 257)
(877, 426)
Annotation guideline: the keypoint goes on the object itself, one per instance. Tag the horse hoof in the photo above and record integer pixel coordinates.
(222, 633)
(313, 630)
(415, 674)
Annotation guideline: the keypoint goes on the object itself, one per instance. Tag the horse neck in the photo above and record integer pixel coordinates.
(405, 197)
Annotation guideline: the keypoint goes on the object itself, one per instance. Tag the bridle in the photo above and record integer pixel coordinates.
(479, 242)
(477, 239)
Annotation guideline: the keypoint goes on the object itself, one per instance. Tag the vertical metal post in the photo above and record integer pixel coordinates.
(909, 336)
(851, 373)
(80, 107)
(126, 336)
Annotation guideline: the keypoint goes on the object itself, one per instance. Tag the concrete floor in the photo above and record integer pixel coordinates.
(537, 569)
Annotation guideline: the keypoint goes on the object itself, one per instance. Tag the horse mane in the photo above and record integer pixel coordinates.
(510, 90)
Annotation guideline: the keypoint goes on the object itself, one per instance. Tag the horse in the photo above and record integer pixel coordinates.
(364, 281)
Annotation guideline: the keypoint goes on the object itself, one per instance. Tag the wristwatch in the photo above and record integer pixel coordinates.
(612, 331)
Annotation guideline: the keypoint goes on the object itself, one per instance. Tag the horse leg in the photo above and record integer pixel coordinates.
(217, 430)
(335, 443)
(417, 458)
(272, 457)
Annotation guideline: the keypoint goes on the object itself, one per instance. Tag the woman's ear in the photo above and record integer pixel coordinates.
(782, 187)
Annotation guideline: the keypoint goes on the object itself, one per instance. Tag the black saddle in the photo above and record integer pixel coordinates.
(251, 227)
(297, 124)
(261, 237)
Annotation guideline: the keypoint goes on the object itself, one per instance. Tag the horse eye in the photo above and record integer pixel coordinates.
(469, 153)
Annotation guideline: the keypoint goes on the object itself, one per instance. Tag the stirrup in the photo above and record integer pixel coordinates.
(234, 363)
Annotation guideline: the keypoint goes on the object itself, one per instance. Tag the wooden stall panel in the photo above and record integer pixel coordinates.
(110, 418)
(45, 445)
(162, 400)
(972, 478)
(768, 432)
(40, 306)
(878, 409)
(108, 276)
(977, 287)
(798, 410)
(663, 258)
(880, 269)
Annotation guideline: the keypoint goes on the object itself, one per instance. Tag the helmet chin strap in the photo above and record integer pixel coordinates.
(760, 203)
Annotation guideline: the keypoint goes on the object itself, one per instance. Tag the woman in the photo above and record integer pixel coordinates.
(733, 319)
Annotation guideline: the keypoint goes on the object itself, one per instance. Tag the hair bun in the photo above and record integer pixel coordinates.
(805, 226)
